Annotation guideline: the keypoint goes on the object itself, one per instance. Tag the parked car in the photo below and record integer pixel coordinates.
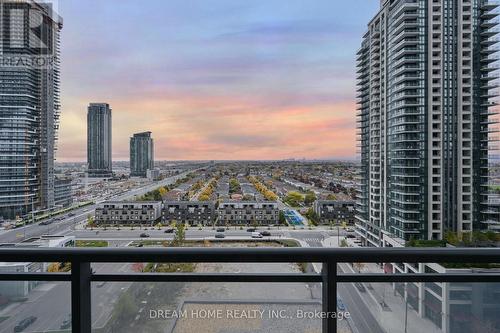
(220, 235)
(350, 236)
(256, 235)
(169, 230)
(221, 229)
(340, 304)
(23, 324)
(360, 287)
(144, 235)
(251, 229)
(66, 323)
(266, 233)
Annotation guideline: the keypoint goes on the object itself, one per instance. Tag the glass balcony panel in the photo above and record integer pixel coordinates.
(207, 307)
(35, 306)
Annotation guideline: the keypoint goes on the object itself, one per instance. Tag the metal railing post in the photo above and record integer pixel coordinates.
(329, 300)
(80, 297)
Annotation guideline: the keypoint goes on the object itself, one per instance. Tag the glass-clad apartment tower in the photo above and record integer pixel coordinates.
(99, 140)
(141, 154)
(29, 105)
(425, 83)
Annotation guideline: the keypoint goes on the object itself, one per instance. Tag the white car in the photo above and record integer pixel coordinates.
(256, 235)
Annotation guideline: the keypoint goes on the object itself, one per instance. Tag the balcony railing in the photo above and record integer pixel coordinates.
(81, 274)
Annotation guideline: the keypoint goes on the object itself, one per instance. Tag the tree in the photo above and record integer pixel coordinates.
(294, 198)
(159, 225)
(358, 266)
(180, 235)
(234, 186)
(331, 197)
(452, 238)
(90, 221)
(309, 198)
(282, 219)
(138, 267)
(53, 267)
(203, 197)
(248, 197)
(162, 191)
(343, 243)
(269, 195)
(312, 216)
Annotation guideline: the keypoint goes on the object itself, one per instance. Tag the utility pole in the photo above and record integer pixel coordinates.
(32, 211)
(338, 235)
(406, 307)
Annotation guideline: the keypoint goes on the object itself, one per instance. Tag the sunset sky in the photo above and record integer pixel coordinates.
(214, 79)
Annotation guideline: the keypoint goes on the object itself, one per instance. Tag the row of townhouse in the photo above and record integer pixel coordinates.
(191, 212)
(210, 212)
(335, 211)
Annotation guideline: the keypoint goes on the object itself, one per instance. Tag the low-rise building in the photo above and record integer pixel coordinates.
(248, 212)
(48, 241)
(334, 211)
(192, 212)
(451, 307)
(153, 174)
(13, 290)
(128, 212)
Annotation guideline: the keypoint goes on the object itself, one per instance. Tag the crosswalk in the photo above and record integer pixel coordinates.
(312, 240)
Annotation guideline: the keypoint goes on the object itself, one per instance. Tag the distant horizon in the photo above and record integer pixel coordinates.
(214, 80)
(355, 159)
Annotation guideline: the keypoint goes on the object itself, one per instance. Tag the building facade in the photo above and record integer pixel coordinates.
(29, 107)
(141, 154)
(99, 127)
(450, 307)
(128, 213)
(63, 195)
(424, 89)
(248, 213)
(334, 211)
(192, 212)
(17, 289)
(153, 174)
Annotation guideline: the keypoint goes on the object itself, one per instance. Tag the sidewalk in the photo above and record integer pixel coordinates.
(391, 317)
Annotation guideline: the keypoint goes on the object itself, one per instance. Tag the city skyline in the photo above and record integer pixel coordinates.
(247, 81)
(343, 162)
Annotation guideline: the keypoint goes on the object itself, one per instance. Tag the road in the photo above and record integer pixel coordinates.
(50, 302)
(52, 299)
(66, 224)
(360, 313)
(312, 237)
